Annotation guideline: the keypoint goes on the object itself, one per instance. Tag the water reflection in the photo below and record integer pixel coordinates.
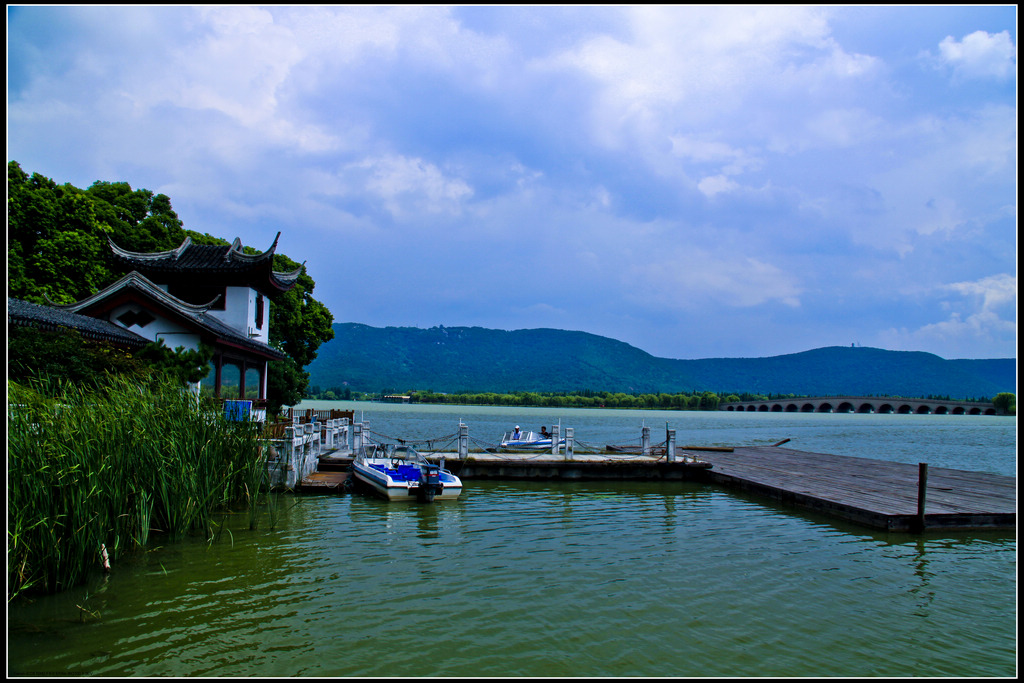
(922, 590)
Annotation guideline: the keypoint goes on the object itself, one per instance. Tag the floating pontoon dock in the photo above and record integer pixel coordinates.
(874, 493)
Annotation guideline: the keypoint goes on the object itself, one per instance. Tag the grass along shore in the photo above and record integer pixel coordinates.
(94, 471)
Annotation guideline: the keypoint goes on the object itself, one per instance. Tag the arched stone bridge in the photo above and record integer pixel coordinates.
(862, 404)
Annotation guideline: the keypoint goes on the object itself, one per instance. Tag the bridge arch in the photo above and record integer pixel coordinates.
(863, 405)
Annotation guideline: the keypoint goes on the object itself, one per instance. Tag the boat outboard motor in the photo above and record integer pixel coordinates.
(430, 483)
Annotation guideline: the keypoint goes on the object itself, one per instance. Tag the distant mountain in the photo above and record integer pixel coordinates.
(475, 359)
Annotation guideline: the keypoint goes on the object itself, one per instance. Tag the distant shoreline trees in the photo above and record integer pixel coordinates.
(1006, 402)
(702, 400)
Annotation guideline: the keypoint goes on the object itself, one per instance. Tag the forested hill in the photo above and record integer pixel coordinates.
(475, 359)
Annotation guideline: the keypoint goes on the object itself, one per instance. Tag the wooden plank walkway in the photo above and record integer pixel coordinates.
(875, 493)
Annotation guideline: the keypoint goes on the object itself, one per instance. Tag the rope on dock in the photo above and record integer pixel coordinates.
(426, 443)
(446, 447)
(484, 445)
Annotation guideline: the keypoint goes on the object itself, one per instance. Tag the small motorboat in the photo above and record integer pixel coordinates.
(401, 473)
(528, 441)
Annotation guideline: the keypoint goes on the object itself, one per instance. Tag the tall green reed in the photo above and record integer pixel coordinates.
(109, 466)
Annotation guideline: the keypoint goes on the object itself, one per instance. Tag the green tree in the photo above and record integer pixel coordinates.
(299, 324)
(54, 241)
(136, 219)
(286, 385)
(709, 400)
(1005, 402)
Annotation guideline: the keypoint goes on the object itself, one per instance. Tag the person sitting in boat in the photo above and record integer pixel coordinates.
(516, 434)
(544, 433)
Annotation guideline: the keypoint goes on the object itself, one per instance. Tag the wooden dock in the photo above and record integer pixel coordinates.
(509, 466)
(324, 482)
(874, 493)
(332, 476)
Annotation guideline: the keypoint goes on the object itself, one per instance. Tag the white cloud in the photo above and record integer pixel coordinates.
(941, 178)
(993, 292)
(707, 150)
(700, 62)
(696, 278)
(957, 337)
(842, 127)
(407, 186)
(975, 323)
(713, 185)
(980, 55)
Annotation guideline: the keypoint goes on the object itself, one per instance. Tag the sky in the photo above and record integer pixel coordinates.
(696, 181)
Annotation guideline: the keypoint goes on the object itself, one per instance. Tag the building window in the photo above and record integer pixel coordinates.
(259, 311)
(138, 318)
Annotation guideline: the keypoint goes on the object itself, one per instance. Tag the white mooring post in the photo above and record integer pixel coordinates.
(554, 439)
(645, 441)
(670, 445)
(569, 431)
(345, 430)
(463, 441)
(357, 438)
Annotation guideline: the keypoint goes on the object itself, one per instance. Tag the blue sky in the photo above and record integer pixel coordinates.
(698, 182)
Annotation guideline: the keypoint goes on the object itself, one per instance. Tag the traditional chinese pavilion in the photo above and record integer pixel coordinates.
(199, 294)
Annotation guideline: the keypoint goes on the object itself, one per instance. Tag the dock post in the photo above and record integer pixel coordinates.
(357, 438)
(569, 431)
(463, 441)
(645, 441)
(554, 439)
(670, 445)
(922, 488)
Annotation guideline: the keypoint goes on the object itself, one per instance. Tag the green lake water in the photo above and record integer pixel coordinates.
(561, 579)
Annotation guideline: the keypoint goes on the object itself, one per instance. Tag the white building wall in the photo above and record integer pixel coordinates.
(172, 334)
(239, 312)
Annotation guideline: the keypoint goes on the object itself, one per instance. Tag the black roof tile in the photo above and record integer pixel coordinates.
(24, 314)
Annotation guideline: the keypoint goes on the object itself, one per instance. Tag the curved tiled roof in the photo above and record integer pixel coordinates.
(197, 315)
(189, 258)
(24, 314)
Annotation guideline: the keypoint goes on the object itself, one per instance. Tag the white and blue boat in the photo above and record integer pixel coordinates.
(401, 473)
(528, 441)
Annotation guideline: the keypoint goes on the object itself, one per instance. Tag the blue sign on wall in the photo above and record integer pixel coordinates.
(237, 411)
